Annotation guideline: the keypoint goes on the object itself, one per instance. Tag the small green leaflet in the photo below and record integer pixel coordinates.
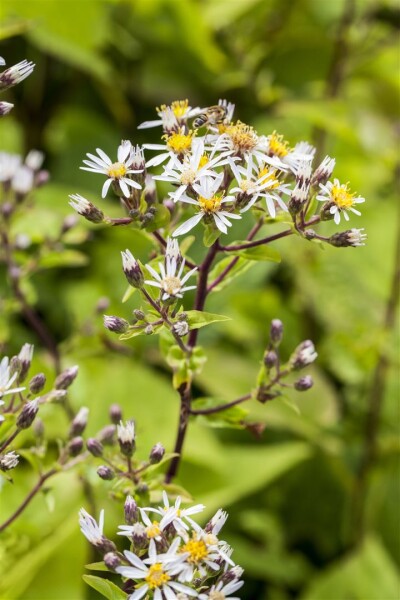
(104, 587)
(198, 318)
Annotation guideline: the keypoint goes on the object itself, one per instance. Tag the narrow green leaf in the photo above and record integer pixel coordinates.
(104, 587)
(198, 319)
(257, 253)
(96, 566)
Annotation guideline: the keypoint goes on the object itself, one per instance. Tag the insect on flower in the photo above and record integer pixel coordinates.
(213, 115)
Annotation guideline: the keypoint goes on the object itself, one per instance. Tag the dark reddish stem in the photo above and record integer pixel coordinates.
(221, 407)
(185, 396)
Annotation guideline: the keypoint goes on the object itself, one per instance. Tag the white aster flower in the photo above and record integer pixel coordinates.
(177, 143)
(170, 279)
(202, 551)
(173, 116)
(23, 180)
(221, 591)
(217, 522)
(156, 572)
(341, 198)
(243, 141)
(92, 531)
(9, 461)
(119, 171)
(126, 433)
(263, 183)
(209, 204)
(9, 164)
(192, 169)
(6, 379)
(177, 515)
(278, 148)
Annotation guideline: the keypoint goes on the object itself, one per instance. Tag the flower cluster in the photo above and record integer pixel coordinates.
(219, 168)
(12, 76)
(170, 555)
(20, 176)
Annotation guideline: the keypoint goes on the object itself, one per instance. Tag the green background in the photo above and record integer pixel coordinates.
(322, 70)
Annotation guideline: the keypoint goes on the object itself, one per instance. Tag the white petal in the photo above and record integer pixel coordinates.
(188, 225)
(104, 156)
(105, 188)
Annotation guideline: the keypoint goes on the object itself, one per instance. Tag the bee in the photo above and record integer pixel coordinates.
(213, 115)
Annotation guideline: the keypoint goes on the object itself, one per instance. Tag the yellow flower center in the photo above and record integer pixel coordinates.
(179, 143)
(156, 576)
(116, 170)
(203, 161)
(171, 285)
(270, 177)
(246, 185)
(153, 530)
(278, 146)
(180, 107)
(210, 205)
(341, 196)
(244, 138)
(196, 549)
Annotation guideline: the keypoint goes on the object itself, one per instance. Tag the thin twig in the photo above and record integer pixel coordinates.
(221, 407)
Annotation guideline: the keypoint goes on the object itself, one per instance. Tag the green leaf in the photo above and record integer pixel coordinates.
(96, 566)
(240, 266)
(256, 253)
(197, 318)
(104, 587)
(230, 417)
(128, 293)
(66, 258)
(367, 573)
(211, 234)
(186, 244)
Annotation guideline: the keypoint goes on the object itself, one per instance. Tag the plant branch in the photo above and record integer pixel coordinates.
(9, 440)
(221, 407)
(185, 397)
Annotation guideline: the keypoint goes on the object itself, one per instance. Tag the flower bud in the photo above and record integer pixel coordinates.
(132, 270)
(148, 330)
(276, 332)
(105, 473)
(37, 383)
(350, 237)
(139, 536)
(264, 396)
(310, 234)
(325, 213)
(130, 510)
(86, 209)
(25, 357)
(157, 453)
(323, 171)
(95, 447)
(126, 437)
(107, 435)
(115, 413)
(111, 560)
(102, 304)
(75, 446)
(150, 191)
(298, 198)
(139, 314)
(5, 108)
(8, 461)
(115, 324)
(28, 414)
(79, 422)
(303, 384)
(182, 316)
(54, 396)
(15, 366)
(303, 355)
(180, 328)
(270, 359)
(69, 223)
(65, 379)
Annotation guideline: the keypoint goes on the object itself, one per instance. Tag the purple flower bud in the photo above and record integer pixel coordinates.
(107, 435)
(303, 355)
(105, 473)
(126, 437)
(37, 383)
(130, 510)
(28, 414)
(115, 414)
(139, 314)
(75, 446)
(132, 270)
(323, 172)
(304, 383)
(276, 332)
(79, 422)
(65, 379)
(115, 324)
(95, 447)
(25, 356)
(111, 560)
(351, 237)
(86, 209)
(157, 453)
(270, 359)
(8, 461)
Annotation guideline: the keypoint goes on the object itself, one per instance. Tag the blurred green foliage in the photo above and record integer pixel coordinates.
(323, 71)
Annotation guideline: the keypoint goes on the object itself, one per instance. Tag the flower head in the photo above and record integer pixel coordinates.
(170, 279)
(7, 378)
(209, 204)
(172, 117)
(119, 172)
(339, 199)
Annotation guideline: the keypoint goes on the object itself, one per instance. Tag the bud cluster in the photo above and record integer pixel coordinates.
(170, 555)
(272, 372)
